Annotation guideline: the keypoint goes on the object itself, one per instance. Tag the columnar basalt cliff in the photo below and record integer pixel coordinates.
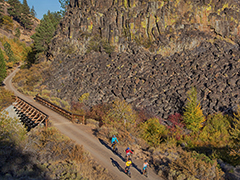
(161, 49)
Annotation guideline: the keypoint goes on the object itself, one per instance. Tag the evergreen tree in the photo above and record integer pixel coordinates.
(25, 7)
(25, 19)
(1, 10)
(9, 52)
(20, 13)
(44, 32)
(17, 32)
(33, 12)
(193, 115)
(55, 17)
(3, 72)
(63, 3)
(15, 9)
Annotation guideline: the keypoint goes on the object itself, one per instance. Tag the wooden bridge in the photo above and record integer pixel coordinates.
(32, 116)
(29, 115)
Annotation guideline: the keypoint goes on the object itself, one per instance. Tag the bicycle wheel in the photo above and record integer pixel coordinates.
(129, 173)
(116, 150)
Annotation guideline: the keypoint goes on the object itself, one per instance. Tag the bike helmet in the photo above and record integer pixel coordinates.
(145, 160)
(128, 148)
(114, 136)
(129, 159)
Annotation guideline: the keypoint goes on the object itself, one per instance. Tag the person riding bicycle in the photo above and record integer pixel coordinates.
(128, 152)
(114, 141)
(145, 165)
(127, 165)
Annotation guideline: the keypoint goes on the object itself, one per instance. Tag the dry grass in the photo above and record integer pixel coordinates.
(62, 158)
(6, 98)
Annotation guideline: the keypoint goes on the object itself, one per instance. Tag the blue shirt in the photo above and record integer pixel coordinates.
(114, 139)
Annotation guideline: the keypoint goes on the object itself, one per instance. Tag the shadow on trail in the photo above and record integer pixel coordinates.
(135, 166)
(115, 164)
(105, 144)
(108, 147)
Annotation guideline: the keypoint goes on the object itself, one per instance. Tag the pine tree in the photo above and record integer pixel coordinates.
(33, 12)
(20, 13)
(193, 115)
(9, 52)
(63, 3)
(25, 19)
(45, 31)
(43, 34)
(3, 72)
(55, 17)
(1, 10)
(15, 9)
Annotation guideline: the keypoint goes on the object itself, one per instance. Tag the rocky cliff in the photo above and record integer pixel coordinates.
(149, 53)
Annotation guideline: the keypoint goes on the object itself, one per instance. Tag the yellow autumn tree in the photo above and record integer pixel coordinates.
(121, 114)
(235, 127)
(193, 115)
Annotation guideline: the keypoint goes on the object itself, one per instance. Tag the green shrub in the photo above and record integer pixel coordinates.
(7, 22)
(97, 44)
(153, 132)
(17, 32)
(215, 132)
(6, 98)
(3, 71)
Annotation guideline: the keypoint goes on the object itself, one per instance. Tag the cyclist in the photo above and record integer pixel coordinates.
(127, 166)
(128, 152)
(145, 165)
(114, 141)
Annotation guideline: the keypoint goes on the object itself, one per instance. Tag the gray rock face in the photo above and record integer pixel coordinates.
(162, 49)
(163, 27)
(153, 82)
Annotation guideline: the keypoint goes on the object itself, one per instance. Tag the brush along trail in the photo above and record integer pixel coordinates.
(83, 135)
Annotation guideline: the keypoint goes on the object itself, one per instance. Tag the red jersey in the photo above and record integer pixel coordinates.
(128, 151)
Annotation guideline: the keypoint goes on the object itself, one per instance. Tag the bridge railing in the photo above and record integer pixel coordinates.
(76, 118)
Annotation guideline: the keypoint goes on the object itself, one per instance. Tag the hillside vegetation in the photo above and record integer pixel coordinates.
(43, 153)
(17, 24)
(161, 75)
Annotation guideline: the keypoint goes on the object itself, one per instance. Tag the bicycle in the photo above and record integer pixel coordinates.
(128, 172)
(114, 148)
(128, 156)
(145, 172)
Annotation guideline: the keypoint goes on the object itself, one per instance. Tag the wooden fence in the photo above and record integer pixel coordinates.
(76, 118)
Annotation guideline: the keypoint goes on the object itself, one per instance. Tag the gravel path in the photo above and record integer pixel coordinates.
(83, 135)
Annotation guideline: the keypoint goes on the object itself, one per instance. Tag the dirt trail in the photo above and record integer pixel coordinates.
(83, 135)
